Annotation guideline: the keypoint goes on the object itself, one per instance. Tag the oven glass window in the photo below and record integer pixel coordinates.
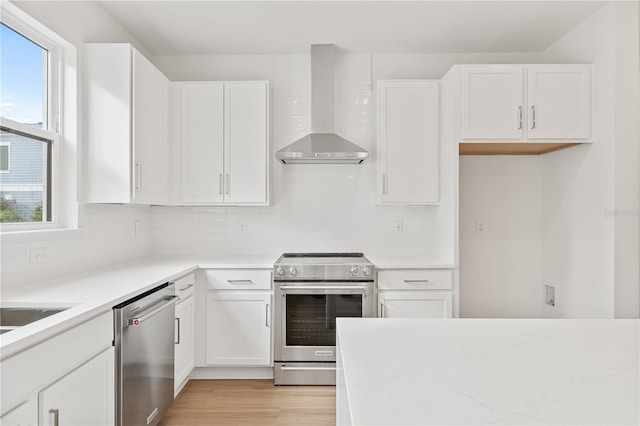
(311, 319)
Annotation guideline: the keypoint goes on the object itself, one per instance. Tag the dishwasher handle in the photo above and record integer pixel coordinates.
(157, 308)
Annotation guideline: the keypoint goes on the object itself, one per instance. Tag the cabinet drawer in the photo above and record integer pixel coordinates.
(415, 279)
(185, 286)
(238, 279)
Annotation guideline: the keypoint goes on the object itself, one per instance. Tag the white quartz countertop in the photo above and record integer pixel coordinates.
(93, 293)
(396, 261)
(488, 371)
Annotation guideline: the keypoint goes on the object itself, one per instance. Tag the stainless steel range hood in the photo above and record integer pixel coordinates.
(322, 146)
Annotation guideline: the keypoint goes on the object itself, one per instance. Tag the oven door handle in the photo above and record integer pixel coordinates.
(307, 368)
(324, 287)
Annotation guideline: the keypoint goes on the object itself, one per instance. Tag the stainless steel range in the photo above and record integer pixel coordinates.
(311, 291)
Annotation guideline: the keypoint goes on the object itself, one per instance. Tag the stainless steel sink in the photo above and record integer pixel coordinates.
(11, 318)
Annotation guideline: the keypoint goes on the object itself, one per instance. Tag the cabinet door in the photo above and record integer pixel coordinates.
(408, 142)
(107, 119)
(559, 101)
(150, 132)
(246, 143)
(25, 414)
(83, 397)
(492, 103)
(239, 328)
(414, 304)
(202, 142)
(184, 338)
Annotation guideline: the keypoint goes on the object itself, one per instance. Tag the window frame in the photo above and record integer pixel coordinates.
(51, 131)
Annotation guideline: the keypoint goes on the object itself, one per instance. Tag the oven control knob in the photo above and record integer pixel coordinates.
(366, 271)
(354, 270)
(279, 271)
(293, 271)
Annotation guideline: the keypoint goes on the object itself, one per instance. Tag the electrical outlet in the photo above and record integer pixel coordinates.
(137, 226)
(550, 295)
(480, 226)
(242, 226)
(38, 255)
(398, 226)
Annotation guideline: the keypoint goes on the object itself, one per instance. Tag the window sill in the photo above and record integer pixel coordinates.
(11, 233)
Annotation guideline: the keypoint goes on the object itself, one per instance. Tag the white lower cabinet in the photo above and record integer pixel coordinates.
(414, 304)
(82, 397)
(238, 328)
(184, 338)
(416, 293)
(72, 372)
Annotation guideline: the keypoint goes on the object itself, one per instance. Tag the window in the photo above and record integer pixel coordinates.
(29, 130)
(4, 157)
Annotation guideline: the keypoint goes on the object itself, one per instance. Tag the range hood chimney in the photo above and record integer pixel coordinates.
(322, 145)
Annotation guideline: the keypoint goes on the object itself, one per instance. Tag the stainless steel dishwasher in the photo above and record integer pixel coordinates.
(144, 348)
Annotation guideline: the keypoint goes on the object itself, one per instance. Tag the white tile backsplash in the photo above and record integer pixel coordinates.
(313, 207)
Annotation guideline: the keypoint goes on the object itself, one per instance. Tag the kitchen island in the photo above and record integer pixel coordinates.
(487, 371)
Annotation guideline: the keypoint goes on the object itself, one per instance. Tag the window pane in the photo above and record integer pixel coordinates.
(24, 189)
(4, 158)
(23, 79)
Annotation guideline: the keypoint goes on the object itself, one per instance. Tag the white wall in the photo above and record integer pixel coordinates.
(559, 227)
(106, 233)
(501, 267)
(590, 254)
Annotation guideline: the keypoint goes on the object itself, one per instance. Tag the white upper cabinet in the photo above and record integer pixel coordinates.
(202, 142)
(537, 103)
(559, 101)
(245, 142)
(223, 128)
(493, 102)
(408, 155)
(126, 127)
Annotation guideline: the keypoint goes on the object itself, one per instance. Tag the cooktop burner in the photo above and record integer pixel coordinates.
(319, 266)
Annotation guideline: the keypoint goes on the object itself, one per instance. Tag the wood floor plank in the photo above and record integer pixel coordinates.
(251, 402)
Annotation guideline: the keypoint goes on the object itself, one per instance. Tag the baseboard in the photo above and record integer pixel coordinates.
(231, 373)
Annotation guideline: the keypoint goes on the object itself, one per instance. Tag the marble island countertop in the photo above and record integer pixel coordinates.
(488, 371)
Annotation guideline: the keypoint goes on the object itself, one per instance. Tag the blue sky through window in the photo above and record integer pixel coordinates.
(22, 77)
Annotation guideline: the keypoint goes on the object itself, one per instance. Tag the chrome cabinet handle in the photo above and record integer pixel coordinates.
(220, 183)
(227, 181)
(240, 281)
(178, 324)
(384, 184)
(416, 281)
(533, 116)
(158, 308)
(266, 310)
(187, 287)
(56, 416)
(382, 310)
(138, 176)
(520, 117)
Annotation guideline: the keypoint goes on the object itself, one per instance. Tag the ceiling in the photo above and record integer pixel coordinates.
(267, 27)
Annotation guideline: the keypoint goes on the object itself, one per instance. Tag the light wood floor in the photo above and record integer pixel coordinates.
(251, 402)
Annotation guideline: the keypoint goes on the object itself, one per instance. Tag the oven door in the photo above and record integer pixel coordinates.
(306, 317)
